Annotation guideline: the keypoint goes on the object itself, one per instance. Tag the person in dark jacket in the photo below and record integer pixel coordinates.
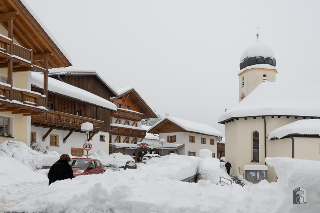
(60, 170)
(228, 167)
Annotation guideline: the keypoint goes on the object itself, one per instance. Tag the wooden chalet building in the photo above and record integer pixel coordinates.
(125, 127)
(25, 48)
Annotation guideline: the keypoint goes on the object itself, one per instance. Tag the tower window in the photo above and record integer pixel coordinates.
(265, 77)
(242, 81)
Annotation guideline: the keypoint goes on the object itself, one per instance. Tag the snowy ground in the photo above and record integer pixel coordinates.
(154, 188)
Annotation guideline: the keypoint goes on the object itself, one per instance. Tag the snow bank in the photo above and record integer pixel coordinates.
(210, 169)
(294, 173)
(205, 153)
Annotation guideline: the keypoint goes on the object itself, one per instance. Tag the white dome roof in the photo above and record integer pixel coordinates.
(258, 49)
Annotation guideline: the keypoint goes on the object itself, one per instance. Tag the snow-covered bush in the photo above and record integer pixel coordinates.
(210, 169)
(36, 147)
(205, 153)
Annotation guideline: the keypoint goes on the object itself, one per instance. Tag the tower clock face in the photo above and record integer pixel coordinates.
(242, 96)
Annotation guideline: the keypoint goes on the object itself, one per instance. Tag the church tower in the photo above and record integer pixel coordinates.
(257, 64)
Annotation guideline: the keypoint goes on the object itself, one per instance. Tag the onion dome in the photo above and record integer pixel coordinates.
(257, 53)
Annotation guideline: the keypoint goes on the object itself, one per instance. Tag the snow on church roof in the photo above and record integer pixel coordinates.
(301, 127)
(81, 71)
(258, 49)
(193, 126)
(62, 88)
(272, 98)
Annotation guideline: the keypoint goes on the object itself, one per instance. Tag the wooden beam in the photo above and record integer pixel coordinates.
(65, 138)
(33, 114)
(8, 16)
(46, 135)
(9, 109)
(92, 135)
(21, 111)
(22, 69)
(3, 60)
(43, 56)
(126, 98)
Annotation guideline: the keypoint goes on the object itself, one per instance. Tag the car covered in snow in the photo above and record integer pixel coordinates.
(147, 157)
(86, 166)
(121, 164)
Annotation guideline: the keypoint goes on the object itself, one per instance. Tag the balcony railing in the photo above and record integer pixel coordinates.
(22, 100)
(127, 132)
(63, 120)
(21, 53)
(126, 114)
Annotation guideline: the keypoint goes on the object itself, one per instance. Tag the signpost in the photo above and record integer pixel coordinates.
(87, 127)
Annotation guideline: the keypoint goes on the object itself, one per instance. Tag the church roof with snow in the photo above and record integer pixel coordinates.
(59, 87)
(308, 127)
(188, 126)
(281, 99)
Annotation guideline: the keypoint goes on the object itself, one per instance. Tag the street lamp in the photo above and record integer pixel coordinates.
(162, 141)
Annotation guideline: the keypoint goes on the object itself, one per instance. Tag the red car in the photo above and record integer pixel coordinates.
(86, 166)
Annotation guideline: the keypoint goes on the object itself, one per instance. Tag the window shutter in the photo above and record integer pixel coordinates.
(175, 138)
(168, 138)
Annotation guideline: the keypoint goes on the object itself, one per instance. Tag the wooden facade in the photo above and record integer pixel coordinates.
(221, 150)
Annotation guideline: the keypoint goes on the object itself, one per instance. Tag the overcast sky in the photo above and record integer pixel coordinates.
(183, 56)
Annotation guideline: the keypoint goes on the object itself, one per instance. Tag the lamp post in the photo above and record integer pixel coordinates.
(87, 127)
(162, 141)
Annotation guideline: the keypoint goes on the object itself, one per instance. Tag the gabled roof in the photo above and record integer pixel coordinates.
(149, 113)
(306, 127)
(64, 89)
(188, 126)
(32, 34)
(81, 71)
(281, 99)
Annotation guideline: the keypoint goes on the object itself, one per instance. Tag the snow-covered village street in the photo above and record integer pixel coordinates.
(154, 187)
(162, 106)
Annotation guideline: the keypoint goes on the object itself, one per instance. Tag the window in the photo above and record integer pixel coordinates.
(127, 123)
(4, 126)
(50, 105)
(118, 121)
(102, 138)
(192, 139)
(255, 147)
(203, 140)
(242, 81)
(214, 155)
(265, 77)
(79, 112)
(33, 137)
(78, 152)
(118, 140)
(134, 141)
(192, 153)
(119, 105)
(4, 79)
(171, 138)
(110, 138)
(136, 124)
(111, 120)
(128, 107)
(98, 164)
(92, 165)
(256, 175)
(54, 140)
(211, 141)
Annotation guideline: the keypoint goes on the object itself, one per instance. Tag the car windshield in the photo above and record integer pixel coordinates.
(76, 163)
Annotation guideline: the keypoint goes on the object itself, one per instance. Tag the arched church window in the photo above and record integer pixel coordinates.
(255, 147)
(242, 81)
(265, 77)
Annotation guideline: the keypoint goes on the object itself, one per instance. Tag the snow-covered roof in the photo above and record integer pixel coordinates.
(272, 98)
(261, 66)
(258, 49)
(124, 90)
(81, 71)
(73, 92)
(191, 126)
(46, 30)
(149, 136)
(300, 127)
(255, 167)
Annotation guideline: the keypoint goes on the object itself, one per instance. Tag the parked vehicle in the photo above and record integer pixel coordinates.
(86, 166)
(121, 164)
(147, 157)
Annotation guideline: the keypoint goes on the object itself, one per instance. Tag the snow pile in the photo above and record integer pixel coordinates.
(301, 127)
(223, 159)
(210, 169)
(294, 173)
(205, 153)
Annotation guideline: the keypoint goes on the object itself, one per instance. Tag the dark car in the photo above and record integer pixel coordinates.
(86, 166)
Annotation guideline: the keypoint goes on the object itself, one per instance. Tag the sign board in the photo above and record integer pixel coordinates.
(87, 146)
(143, 144)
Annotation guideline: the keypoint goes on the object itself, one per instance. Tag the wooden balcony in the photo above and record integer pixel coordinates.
(63, 121)
(127, 114)
(22, 101)
(115, 130)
